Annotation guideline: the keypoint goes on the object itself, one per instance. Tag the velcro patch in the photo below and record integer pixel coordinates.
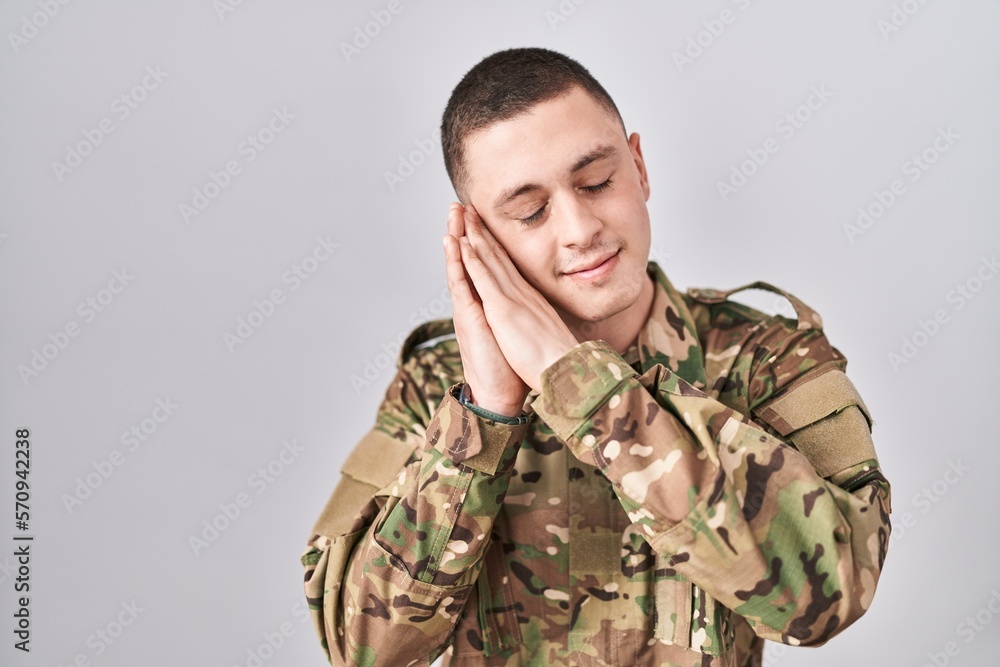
(344, 505)
(377, 459)
(811, 401)
(836, 443)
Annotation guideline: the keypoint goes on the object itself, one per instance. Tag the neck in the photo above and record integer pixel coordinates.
(619, 330)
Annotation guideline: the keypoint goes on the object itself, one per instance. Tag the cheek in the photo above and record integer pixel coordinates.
(630, 213)
(633, 220)
(529, 255)
(628, 199)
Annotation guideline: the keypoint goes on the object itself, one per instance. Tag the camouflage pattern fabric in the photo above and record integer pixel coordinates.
(663, 507)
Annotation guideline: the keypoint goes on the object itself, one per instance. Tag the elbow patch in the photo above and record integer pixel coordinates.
(836, 442)
(377, 459)
(825, 419)
(373, 463)
(343, 507)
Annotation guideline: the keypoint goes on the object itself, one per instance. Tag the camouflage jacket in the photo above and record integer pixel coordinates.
(714, 486)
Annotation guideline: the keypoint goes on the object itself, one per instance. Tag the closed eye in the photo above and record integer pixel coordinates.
(600, 186)
(537, 215)
(533, 218)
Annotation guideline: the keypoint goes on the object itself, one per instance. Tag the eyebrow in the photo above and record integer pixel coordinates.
(600, 153)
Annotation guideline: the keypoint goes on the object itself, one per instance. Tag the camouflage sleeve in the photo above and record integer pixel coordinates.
(741, 513)
(394, 555)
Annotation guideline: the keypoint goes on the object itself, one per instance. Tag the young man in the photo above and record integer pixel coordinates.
(586, 466)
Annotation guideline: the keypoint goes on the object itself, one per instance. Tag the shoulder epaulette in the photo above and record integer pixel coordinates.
(807, 317)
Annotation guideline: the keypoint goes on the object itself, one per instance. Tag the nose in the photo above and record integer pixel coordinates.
(578, 226)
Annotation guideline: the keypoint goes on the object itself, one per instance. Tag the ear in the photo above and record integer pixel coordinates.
(640, 163)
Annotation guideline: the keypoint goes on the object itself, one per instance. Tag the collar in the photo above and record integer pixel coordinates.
(669, 337)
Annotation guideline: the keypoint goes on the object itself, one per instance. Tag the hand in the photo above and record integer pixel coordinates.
(526, 328)
(494, 384)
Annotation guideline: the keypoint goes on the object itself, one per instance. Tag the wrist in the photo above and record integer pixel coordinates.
(491, 409)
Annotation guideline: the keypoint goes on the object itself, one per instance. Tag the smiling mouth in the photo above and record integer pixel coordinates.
(597, 268)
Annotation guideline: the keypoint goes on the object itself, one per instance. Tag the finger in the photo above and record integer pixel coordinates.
(456, 221)
(492, 254)
(481, 228)
(462, 297)
(483, 279)
(463, 294)
(456, 228)
(475, 227)
(509, 277)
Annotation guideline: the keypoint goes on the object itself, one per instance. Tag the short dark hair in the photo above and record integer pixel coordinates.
(502, 86)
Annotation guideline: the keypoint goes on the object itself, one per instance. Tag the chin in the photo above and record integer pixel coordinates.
(595, 304)
(595, 311)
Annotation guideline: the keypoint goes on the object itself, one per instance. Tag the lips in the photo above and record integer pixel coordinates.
(590, 266)
(596, 267)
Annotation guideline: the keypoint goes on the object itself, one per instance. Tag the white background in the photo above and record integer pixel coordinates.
(359, 116)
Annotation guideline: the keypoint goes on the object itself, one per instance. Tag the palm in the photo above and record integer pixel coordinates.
(495, 385)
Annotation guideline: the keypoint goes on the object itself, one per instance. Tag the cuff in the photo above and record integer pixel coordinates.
(577, 384)
(471, 440)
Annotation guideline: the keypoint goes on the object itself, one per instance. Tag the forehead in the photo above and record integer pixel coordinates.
(540, 145)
